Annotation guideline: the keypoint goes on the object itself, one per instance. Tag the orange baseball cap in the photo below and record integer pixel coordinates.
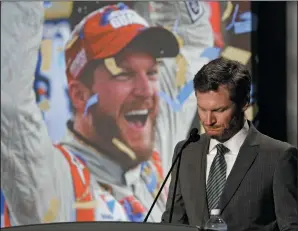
(107, 31)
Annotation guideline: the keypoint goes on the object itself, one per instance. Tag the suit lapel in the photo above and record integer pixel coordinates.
(197, 153)
(247, 154)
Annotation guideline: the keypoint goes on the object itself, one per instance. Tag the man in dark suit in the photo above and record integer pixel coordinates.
(249, 176)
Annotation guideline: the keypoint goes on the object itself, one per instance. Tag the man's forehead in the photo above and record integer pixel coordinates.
(213, 104)
(118, 64)
(126, 56)
(221, 96)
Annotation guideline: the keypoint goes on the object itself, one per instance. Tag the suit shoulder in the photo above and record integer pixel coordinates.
(202, 140)
(178, 145)
(275, 145)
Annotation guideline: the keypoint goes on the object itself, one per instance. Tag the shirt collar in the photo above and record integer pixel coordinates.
(234, 143)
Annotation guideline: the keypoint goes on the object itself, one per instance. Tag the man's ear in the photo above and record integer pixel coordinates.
(79, 95)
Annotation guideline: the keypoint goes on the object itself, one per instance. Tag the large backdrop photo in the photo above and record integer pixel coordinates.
(140, 97)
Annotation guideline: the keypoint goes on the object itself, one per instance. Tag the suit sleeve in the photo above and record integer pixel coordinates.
(35, 177)
(285, 191)
(179, 213)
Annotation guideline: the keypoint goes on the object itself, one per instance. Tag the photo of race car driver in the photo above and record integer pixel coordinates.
(110, 164)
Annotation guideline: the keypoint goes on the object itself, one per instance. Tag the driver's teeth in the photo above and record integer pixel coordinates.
(137, 112)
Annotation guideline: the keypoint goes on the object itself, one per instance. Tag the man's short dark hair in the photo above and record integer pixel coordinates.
(228, 73)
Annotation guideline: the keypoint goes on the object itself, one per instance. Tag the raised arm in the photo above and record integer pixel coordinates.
(189, 20)
(34, 175)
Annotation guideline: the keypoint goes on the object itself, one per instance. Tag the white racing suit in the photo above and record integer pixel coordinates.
(36, 178)
(189, 20)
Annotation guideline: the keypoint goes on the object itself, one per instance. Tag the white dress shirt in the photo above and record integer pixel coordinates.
(233, 144)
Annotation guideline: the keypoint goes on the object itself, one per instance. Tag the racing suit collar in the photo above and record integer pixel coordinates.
(100, 165)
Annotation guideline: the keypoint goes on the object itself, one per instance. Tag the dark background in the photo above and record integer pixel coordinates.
(269, 67)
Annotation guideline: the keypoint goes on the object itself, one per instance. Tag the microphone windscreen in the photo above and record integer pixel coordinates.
(194, 136)
(193, 132)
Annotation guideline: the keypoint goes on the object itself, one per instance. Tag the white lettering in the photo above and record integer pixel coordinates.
(194, 9)
(126, 17)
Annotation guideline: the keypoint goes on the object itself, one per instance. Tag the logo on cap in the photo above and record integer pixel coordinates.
(121, 18)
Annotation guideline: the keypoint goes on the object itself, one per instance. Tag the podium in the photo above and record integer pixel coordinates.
(103, 226)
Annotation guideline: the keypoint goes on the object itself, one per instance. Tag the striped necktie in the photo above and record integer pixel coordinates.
(217, 177)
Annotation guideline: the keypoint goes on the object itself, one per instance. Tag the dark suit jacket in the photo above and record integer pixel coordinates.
(260, 193)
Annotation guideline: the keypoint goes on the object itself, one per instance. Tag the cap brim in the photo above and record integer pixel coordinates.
(158, 41)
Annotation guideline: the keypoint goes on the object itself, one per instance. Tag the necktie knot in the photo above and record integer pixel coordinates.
(221, 149)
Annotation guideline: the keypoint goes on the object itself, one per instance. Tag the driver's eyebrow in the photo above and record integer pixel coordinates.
(129, 72)
(129, 69)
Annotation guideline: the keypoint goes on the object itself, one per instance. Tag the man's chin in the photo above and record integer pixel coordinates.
(140, 142)
(143, 150)
(213, 133)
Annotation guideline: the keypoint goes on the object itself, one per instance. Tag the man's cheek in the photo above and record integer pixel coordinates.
(108, 106)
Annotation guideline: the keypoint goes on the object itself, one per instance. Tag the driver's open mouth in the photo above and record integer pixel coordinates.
(137, 117)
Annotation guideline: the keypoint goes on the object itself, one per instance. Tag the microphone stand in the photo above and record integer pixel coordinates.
(176, 183)
(178, 157)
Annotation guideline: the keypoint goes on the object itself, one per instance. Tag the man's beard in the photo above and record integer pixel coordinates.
(234, 126)
(105, 126)
(106, 129)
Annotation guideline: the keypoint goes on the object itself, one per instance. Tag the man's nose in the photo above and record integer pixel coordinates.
(210, 119)
(143, 86)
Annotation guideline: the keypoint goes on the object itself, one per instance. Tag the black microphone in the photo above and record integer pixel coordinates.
(193, 137)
